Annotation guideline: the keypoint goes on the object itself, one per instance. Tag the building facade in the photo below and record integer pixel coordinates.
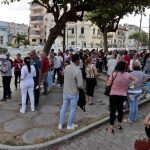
(8, 30)
(131, 43)
(81, 34)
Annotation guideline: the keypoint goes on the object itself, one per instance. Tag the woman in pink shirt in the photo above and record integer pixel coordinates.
(118, 93)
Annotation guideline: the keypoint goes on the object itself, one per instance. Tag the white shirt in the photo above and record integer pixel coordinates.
(111, 66)
(57, 61)
(26, 75)
(66, 57)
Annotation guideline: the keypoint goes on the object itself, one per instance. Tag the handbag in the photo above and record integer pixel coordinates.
(108, 88)
(82, 100)
(142, 143)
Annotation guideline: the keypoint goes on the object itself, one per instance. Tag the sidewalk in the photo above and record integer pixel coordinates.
(100, 139)
(41, 125)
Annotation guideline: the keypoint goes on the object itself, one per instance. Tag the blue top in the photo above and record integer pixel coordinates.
(141, 77)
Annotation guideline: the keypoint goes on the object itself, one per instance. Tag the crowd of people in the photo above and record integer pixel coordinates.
(126, 72)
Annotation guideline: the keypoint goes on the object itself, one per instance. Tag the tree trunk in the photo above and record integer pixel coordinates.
(54, 33)
(105, 41)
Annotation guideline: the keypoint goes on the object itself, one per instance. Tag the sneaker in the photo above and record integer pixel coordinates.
(23, 112)
(74, 126)
(33, 110)
(60, 127)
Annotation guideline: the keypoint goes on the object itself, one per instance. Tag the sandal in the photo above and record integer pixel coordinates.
(118, 127)
(110, 130)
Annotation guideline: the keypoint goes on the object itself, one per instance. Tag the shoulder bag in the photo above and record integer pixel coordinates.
(108, 88)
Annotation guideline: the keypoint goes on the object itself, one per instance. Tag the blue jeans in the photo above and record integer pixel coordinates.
(133, 103)
(50, 78)
(72, 101)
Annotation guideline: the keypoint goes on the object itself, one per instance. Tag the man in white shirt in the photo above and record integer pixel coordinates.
(58, 61)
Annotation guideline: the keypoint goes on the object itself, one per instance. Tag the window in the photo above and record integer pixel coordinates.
(98, 32)
(37, 18)
(1, 39)
(73, 43)
(94, 31)
(82, 30)
(72, 30)
(33, 40)
(41, 40)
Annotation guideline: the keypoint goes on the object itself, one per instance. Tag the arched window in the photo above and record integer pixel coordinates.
(82, 30)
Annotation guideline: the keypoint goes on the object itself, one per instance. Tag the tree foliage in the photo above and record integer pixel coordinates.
(19, 39)
(143, 37)
(108, 14)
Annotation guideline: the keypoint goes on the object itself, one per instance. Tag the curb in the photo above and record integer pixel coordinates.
(61, 140)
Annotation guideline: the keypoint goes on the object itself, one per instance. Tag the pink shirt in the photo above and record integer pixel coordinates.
(120, 84)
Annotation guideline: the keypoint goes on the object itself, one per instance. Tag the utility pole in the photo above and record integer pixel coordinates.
(149, 32)
(64, 30)
(76, 36)
(139, 32)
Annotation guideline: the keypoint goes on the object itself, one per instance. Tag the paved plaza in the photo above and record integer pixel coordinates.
(100, 139)
(41, 125)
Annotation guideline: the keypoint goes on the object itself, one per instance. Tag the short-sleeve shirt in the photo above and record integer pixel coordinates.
(120, 84)
(45, 65)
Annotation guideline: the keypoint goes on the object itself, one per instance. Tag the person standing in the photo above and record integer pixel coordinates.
(18, 63)
(112, 62)
(91, 74)
(146, 63)
(118, 93)
(28, 72)
(134, 93)
(37, 79)
(73, 81)
(10, 76)
(126, 59)
(6, 74)
(58, 61)
(45, 69)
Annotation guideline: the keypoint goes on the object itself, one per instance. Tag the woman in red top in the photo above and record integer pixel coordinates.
(18, 63)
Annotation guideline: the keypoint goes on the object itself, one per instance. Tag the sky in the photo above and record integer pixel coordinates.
(19, 12)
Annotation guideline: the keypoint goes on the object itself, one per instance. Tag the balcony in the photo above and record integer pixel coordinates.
(81, 35)
(36, 22)
(71, 35)
(36, 36)
(36, 29)
(36, 7)
(36, 14)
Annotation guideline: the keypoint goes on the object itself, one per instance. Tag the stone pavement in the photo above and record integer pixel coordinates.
(100, 139)
(41, 125)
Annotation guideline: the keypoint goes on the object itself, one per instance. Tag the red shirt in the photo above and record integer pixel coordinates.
(127, 60)
(18, 63)
(45, 64)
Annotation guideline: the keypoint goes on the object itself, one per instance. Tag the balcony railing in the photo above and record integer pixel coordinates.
(36, 14)
(36, 22)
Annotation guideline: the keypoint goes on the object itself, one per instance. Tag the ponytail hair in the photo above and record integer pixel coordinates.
(27, 63)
